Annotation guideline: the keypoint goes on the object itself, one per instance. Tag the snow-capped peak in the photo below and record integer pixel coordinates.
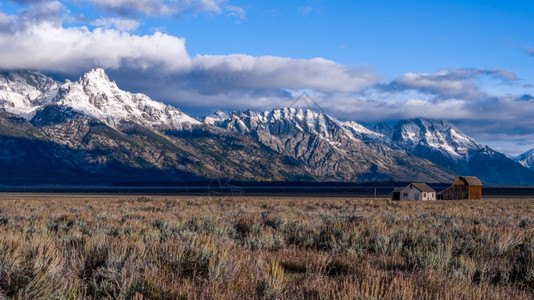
(95, 95)
(438, 135)
(97, 78)
(23, 92)
(96, 74)
(526, 159)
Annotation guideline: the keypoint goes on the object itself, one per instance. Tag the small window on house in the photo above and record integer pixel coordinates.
(424, 194)
(405, 194)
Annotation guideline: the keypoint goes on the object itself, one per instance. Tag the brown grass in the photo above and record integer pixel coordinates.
(130, 247)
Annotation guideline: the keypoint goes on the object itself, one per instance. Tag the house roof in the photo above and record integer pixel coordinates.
(397, 189)
(472, 180)
(423, 187)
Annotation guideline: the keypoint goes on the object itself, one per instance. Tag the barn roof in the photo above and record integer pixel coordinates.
(397, 189)
(423, 187)
(472, 180)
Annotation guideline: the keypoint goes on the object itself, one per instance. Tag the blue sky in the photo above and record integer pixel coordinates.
(469, 62)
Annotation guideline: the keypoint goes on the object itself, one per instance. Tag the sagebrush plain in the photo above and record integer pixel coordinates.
(165, 247)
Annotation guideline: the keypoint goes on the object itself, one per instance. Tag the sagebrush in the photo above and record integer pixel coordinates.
(129, 247)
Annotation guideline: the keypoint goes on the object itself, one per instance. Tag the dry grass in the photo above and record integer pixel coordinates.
(129, 247)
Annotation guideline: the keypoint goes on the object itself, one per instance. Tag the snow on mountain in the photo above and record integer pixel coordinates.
(445, 145)
(383, 129)
(526, 159)
(345, 151)
(434, 135)
(302, 120)
(22, 93)
(95, 95)
(316, 144)
(307, 121)
(214, 118)
(365, 134)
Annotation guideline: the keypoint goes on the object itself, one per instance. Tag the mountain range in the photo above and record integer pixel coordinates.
(91, 132)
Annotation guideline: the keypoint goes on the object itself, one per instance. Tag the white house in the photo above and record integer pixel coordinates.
(417, 191)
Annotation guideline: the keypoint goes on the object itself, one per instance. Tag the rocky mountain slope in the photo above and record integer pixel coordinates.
(445, 145)
(91, 132)
(344, 151)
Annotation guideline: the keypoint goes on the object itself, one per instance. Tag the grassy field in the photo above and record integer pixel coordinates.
(130, 247)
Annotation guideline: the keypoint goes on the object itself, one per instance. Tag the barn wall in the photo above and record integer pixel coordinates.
(455, 192)
(475, 192)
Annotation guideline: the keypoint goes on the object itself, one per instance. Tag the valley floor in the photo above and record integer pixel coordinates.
(163, 247)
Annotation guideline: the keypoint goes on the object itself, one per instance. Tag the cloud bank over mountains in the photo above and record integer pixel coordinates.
(43, 36)
(453, 83)
(37, 38)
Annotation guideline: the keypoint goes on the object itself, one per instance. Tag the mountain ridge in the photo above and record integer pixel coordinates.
(98, 129)
(328, 145)
(444, 144)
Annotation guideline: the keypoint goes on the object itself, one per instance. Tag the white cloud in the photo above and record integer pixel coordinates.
(158, 7)
(49, 47)
(31, 1)
(149, 7)
(236, 11)
(46, 44)
(118, 23)
(460, 83)
(391, 107)
(158, 64)
(437, 83)
(46, 12)
(240, 71)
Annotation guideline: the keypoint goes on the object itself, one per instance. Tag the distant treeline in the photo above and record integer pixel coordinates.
(219, 187)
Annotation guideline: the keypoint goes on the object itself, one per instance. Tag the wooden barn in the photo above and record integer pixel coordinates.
(463, 188)
(414, 191)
